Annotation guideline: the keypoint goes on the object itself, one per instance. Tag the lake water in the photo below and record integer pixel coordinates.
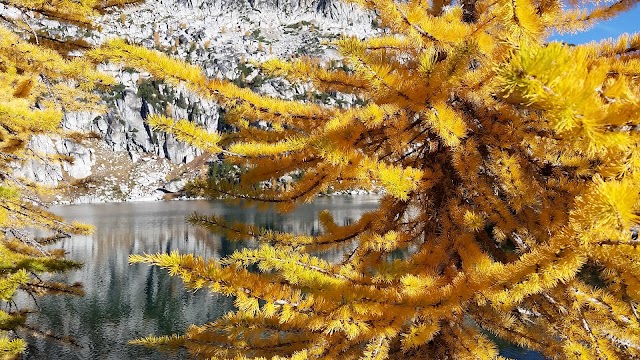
(124, 302)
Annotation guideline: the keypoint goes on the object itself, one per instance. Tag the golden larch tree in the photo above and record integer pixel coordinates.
(38, 84)
(511, 171)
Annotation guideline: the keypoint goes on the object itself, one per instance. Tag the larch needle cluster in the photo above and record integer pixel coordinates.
(38, 84)
(511, 173)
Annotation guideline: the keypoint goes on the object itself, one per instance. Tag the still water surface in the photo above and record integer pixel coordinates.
(124, 302)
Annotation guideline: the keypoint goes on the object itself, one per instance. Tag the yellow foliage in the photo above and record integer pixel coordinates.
(398, 182)
(447, 124)
(510, 171)
(37, 84)
(473, 220)
(187, 132)
(9, 348)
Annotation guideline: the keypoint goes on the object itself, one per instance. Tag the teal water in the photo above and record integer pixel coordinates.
(124, 302)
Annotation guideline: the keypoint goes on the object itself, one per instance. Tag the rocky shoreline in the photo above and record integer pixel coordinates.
(115, 177)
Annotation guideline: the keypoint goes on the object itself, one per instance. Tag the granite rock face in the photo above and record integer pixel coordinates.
(124, 127)
(218, 35)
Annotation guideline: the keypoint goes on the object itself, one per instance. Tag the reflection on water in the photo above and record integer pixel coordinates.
(122, 301)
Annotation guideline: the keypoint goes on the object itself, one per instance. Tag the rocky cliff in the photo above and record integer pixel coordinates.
(130, 161)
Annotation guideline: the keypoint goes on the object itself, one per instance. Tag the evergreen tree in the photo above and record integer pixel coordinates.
(37, 85)
(511, 169)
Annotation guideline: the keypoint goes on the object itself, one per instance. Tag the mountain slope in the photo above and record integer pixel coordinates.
(221, 36)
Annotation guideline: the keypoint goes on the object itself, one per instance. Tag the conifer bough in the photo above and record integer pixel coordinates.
(37, 85)
(511, 170)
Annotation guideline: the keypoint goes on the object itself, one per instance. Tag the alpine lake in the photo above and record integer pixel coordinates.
(124, 302)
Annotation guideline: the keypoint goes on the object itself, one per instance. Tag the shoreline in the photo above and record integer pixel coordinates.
(164, 198)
